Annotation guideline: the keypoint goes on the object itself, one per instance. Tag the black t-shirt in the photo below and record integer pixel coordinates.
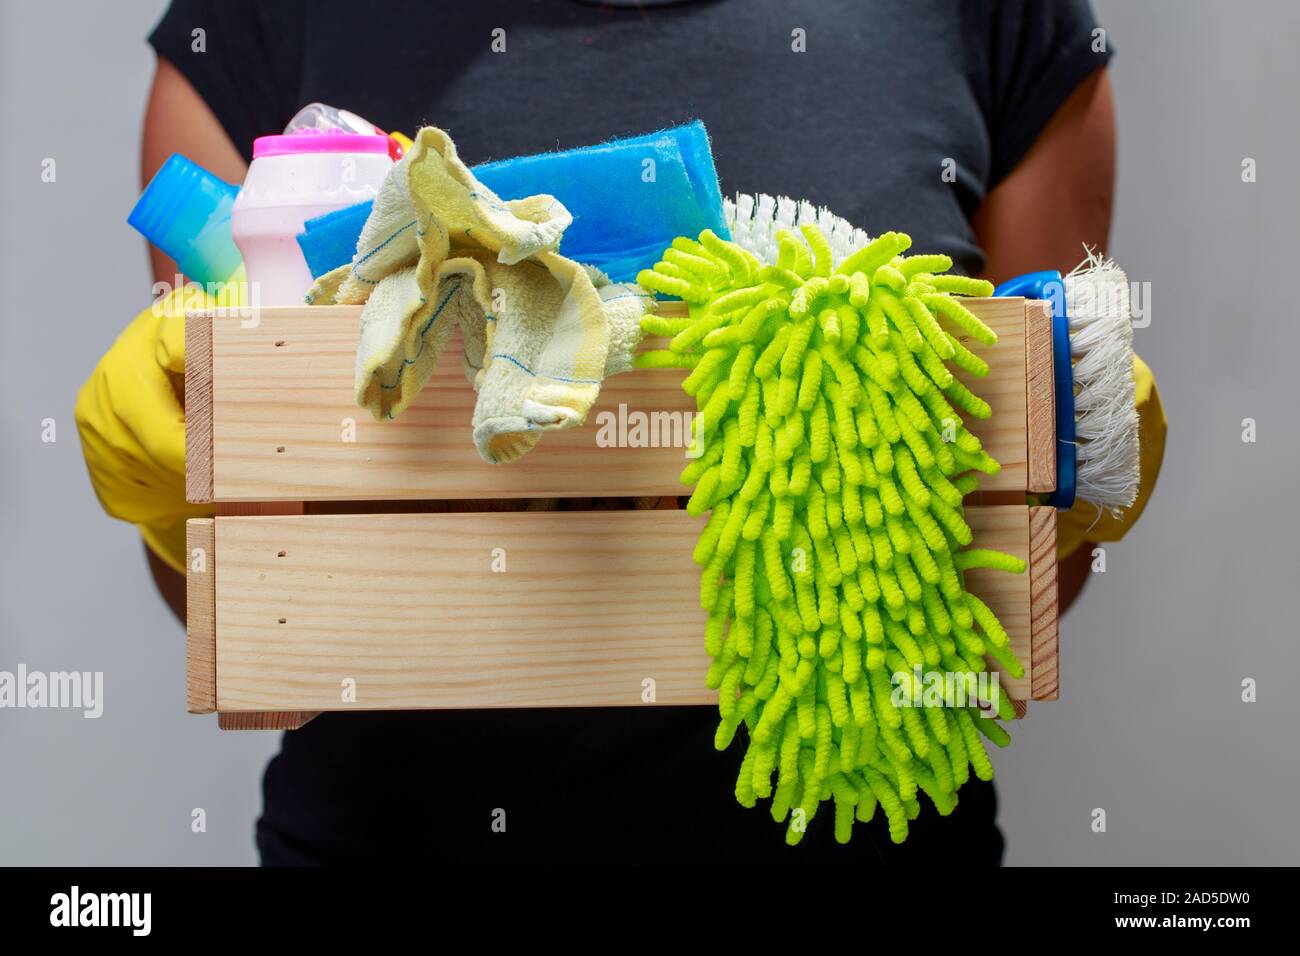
(885, 97)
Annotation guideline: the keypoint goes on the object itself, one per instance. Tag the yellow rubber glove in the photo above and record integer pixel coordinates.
(131, 417)
(1086, 522)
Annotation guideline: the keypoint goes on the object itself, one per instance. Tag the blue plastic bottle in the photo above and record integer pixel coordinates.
(185, 212)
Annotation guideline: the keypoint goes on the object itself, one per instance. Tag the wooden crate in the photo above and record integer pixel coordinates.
(330, 581)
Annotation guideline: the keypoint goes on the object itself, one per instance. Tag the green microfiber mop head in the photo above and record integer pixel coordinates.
(834, 464)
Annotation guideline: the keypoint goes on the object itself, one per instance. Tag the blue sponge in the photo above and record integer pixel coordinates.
(629, 199)
(331, 240)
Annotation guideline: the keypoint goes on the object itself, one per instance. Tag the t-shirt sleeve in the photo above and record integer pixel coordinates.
(241, 57)
(1042, 50)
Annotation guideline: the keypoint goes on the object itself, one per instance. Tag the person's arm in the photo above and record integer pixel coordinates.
(177, 120)
(1058, 197)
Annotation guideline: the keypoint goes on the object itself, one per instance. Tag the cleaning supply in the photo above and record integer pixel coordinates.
(754, 222)
(324, 118)
(628, 198)
(834, 467)
(1097, 446)
(131, 419)
(294, 178)
(330, 240)
(1104, 446)
(185, 212)
(541, 332)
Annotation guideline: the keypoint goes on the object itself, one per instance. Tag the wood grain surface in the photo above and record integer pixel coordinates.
(1005, 528)
(200, 618)
(198, 407)
(285, 425)
(1040, 397)
(1043, 606)
(592, 609)
(263, 720)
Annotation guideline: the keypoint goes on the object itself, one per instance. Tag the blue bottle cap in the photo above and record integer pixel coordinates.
(185, 212)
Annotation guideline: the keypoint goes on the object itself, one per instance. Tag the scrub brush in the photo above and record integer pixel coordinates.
(1097, 450)
(754, 220)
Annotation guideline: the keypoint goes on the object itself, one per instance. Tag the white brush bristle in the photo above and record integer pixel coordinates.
(1105, 411)
(754, 220)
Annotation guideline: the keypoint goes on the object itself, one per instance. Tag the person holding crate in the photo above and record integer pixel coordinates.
(961, 127)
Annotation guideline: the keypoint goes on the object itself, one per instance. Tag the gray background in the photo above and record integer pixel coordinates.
(1200, 595)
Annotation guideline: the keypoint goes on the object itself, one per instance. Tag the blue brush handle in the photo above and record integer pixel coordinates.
(1050, 286)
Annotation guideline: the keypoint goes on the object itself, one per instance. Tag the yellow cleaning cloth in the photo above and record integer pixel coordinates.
(541, 331)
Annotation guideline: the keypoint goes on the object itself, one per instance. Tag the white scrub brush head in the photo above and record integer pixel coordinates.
(1105, 411)
(754, 220)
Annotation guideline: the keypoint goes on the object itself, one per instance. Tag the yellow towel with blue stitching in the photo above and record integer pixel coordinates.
(541, 332)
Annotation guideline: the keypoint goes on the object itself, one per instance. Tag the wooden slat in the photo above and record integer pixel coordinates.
(1003, 388)
(589, 607)
(1043, 607)
(200, 618)
(264, 720)
(1040, 397)
(198, 407)
(407, 606)
(1005, 528)
(283, 405)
